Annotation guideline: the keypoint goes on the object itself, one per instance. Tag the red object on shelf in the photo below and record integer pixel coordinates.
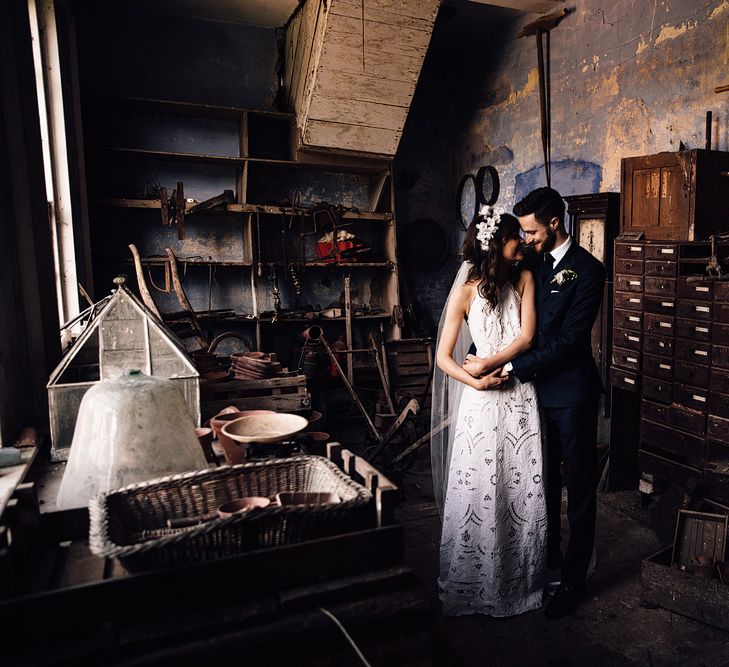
(327, 252)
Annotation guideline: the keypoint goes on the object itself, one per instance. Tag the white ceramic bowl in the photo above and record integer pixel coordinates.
(264, 429)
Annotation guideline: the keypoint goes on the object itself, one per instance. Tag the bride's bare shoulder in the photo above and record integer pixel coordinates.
(526, 279)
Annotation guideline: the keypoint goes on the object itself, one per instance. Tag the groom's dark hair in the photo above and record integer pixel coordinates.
(545, 203)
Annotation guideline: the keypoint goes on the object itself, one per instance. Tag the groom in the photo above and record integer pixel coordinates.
(569, 288)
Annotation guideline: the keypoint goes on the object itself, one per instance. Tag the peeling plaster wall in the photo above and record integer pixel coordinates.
(630, 77)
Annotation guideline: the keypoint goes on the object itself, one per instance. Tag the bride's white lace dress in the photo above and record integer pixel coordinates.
(493, 545)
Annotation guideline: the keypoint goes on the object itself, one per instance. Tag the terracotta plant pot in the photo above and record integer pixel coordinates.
(242, 505)
(205, 437)
(235, 452)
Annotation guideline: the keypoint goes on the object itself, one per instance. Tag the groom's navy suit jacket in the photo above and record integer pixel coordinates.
(560, 363)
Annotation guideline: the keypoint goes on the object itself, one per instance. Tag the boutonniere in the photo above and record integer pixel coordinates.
(564, 276)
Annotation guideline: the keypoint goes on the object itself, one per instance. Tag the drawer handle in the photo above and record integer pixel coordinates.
(667, 304)
(701, 289)
(633, 300)
(702, 309)
(635, 339)
(701, 329)
(701, 353)
(665, 367)
(665, 325)
(667, 251)
(633, 318)
(628, 265)
(636, 248)
(634, 282)
(628, 381)
(632, 360)
(700, 399)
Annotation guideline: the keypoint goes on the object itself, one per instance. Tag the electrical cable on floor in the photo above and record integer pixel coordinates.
(346, 635)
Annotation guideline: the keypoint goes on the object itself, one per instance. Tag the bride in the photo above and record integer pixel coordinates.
(486, 442)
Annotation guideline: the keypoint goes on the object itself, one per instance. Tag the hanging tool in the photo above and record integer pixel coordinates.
(258, 243)
(179, 198)
(164, 205)
(381, 371)
(214, 202)
(276, 293)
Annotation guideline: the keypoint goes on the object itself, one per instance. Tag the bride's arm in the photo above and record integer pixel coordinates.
(444, 355)
(475, 366)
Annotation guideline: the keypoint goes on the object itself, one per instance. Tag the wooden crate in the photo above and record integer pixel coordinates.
(410, 361)
(283, 394)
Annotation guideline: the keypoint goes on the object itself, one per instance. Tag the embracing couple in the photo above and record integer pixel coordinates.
(516, 392)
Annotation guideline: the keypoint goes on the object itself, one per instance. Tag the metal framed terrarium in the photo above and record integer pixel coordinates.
(123, 335)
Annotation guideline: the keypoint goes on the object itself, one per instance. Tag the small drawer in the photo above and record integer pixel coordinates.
(693, 374)
(628, 359)
(660, 286)
(630, 340)
(690, 397)
(633, 250)
(719, 404)
(719, 381)
(721, 312)
(628, 283)
(689, 420)
(656, 412)
(698, 310)
(695, 291)
(669, 439)
(660, 345)
(628, 301)
(720, 334)
(693, 329)
(693, 351)
(662, 251)
(718, 429)
(721, 290)
(657, 390)
(658, 324)
(623, 379)
(632, 266)
(628, 319)
(653, 268)
(720, 356)
(658, 367)
(660, 305)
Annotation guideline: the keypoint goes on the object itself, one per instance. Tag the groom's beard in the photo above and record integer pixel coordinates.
(550, 241)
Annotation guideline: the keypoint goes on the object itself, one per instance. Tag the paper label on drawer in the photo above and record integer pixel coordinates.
(665, 325)
(633, 300)
(635, 339)
(701, 289)
(702, 309)
(701, 329)
(667, 304)
(667, 251)
(632, 318)
(634, 282)
(636, 248)
(701, 399)
(701, 353)
(632, 360)
(665, 367)
(629, 381)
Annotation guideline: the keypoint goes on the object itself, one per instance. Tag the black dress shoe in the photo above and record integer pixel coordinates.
(565, 601)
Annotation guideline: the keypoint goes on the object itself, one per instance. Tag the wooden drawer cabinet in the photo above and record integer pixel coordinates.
(630, 340)
(689, 447)
(661, 345)
(718, 429)
(719, 380)
(659, 286)
(720, 356)
(661, 251)
(628, 359)
(657, 390)
(628, 319)
(656, 412)
(628, 283)
(691, 397)
(658, 367)
(689, 420)
(659, 268)
(693, 291)
(693, 351)
(693, 329)
(721, 312)
(660, 305)
(628, 301)
(719, 404)
(635, 250)
(658, 324)
(624, 379)
(721, 290)
(720, 334)
(629, 265)
(698, 310)
(693, 374)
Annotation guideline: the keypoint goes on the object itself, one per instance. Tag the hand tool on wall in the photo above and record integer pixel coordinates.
(214, 202)
(258, 244)
(381, 371)
(180, 210)
(164, 205)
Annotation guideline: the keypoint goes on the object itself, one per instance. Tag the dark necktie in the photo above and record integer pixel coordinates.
(547, 267)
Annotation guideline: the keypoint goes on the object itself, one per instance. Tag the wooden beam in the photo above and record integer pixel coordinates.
(533, 6)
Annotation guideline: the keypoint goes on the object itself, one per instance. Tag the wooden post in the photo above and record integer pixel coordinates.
(348, 325)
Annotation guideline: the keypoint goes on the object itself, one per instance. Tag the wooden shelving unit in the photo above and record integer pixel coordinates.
(256, 220)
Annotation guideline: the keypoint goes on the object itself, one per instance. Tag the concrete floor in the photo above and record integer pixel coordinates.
(610, 627)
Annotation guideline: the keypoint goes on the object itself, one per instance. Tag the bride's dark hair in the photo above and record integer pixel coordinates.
(487, 263)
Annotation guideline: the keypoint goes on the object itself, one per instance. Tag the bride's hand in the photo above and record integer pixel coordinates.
(491, 381)
(474, 365)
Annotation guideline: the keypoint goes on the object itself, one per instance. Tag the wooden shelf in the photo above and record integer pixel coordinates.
(234, 161)
(234, 208)
(241, 319)
(161, 261)
(339, 265)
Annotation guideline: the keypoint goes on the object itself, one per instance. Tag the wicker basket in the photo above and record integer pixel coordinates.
(131, 523)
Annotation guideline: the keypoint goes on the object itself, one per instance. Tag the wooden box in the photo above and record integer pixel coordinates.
(677, 195)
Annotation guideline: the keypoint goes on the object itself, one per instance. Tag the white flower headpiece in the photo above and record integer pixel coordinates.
(488, 226)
